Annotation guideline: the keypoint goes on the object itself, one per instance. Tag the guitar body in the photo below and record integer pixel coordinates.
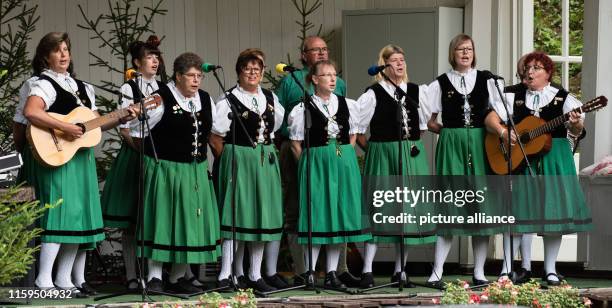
(496, 151)
(50, 147)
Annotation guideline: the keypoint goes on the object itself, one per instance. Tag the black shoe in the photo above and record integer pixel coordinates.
(261, 286)
(86, 288)
(436, 284)
(277, 281)
(182, 286)
(302, 279)
(332, 281)
(242, 282)
(349, 280)
(132, 282)
(367, 281)
(522, 276)
(155, 285)
(406, 281)
(550, 282)
(478, 282)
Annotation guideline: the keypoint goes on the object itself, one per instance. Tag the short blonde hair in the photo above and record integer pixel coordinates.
(384, 55)
(456, 41)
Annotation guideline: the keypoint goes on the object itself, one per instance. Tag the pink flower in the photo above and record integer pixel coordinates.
(536, 303)
(225, 305)
(587, 301)
(484, 297)
(435, 301)
(474, 298)
(465, 285)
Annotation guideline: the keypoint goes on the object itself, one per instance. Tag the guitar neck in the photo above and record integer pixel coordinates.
(105, 119)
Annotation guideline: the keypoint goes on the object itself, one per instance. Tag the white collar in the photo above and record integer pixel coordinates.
(469, 71)
(183, 101)
(56, 75)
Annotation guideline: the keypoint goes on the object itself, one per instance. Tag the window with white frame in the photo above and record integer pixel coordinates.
(558, 28)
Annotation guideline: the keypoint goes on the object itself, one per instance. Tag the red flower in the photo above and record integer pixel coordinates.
(474, 298)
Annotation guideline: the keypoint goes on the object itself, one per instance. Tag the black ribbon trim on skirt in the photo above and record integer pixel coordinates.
(73, 233)
(118, 218)
(335, 233)
(252, 231)
(181, 248)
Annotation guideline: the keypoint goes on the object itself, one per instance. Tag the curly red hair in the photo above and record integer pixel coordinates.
(543, 59)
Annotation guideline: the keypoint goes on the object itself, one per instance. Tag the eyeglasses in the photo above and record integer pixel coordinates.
(465, 49)
(318, 50)
(252, 70)
(329, 75)
(194, 76)
(536, 68)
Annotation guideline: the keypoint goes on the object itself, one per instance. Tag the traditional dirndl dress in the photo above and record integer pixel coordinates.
(72, 189)
(181, 219)
(258, 193)
(382, 157)
(335, 178)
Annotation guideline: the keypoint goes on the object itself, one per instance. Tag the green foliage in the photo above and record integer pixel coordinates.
(127, 24)
(16, 219)
(17, 21)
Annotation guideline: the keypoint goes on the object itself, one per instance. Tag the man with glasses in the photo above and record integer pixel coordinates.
(290, 94)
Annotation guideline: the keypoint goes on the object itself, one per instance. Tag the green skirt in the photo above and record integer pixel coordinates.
(181, 219)
(78, 219)
(26, 172)
(120, 195)
(382, 161)
(553, 202)
(258, 197)
(460, 152)
(335, 198)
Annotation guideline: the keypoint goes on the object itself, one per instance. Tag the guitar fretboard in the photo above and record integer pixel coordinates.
(551, 125)
(105, 119)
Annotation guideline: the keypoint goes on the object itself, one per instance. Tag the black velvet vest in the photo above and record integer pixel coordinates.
(65, 101)
(318, 131)
(452, 103)
(135, 88)
(252, 121)
(174, 134)
(547, 113)
(384, 127)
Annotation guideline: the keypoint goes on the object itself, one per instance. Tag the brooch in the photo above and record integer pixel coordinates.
(519, 102)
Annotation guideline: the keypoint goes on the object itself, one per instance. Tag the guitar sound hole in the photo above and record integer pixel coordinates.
(525, 138)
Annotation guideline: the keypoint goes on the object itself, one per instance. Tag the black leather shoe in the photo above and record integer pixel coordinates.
(86, 288)
(436, 284)
(261, 286)
(478, 282)
(182, 286)
(242, 282)
(277, 281)
(155, 285)
(302, 279)
(350, 280)
(367, 281)
(332, 281)
(522, 276)
(550, 282)
(407, 282)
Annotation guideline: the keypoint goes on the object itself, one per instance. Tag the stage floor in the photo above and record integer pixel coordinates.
(285, 298)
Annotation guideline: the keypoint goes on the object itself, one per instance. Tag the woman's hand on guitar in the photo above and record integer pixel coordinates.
(132, 114)
(72, 131)
(574, 118)
(503, 136)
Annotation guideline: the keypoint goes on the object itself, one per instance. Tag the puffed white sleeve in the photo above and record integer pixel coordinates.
(279, 113)
(354, 116)
(424, 112)
(43, 89)
(221, 124)
(496, 102)
(295, 123)
(366, 104)
(434, 97)
(213, 111)
(572, 103)
(89, 89)
(23, 97)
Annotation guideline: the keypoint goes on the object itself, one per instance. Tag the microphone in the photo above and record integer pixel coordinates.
(207, 67)
(489, 75)
(282, 68)
(131, 73)
(374, 69)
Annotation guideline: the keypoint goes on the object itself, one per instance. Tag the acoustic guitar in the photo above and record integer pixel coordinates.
(534, 134)
(51, 148)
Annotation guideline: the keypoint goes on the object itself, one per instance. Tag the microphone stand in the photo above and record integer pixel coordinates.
(144, 120)
(235, 117)
(511, 127)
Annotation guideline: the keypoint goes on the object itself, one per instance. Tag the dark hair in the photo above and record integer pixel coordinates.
(139, 50)
(49, 43)
(456, 41)
(248, 56)
(314, 69)
(543, 58)
(184, 62)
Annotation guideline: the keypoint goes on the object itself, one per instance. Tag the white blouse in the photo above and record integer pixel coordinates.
(24, 92)
(43, 89)
(147, 87)
(255, 102)
(367, 105)
(329, 108)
